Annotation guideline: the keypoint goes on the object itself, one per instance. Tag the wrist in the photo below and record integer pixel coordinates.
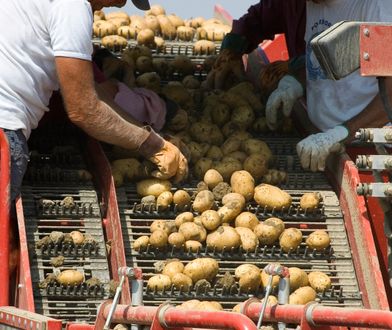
(152, 144)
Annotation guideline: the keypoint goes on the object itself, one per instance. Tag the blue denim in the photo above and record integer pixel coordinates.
(19, 159)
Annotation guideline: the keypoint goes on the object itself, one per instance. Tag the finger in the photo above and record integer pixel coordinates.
(322, 161)
(304, 157)
(287, 107)
(314, 159)
(182, 171)
(271, 113)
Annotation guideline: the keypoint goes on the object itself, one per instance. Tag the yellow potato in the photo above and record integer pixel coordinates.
(265, 278)
(247, 220)
(266, 234)
(318, 240)
(152, 187)
(158, 239)
(212, 178)
(243, 269)
(192, 231)
(182, 218)
(193, 246)
(272, 197)
(211, 219)
(310, 201)
(290, 239)
(159, 282)
(168, 226)
(141, 243)
(302, 296)
(319, 281)
(275, 222)
(256, 165)
(249, 240)
(172, 268)
(224, 238)
(176, 239)
(202, 268)
(70, 277)
(164, 200)
(298, 278)
(243, 183)
(204, 201)
(77, 237)
(182, 199)
(250, 281)
(181, 282)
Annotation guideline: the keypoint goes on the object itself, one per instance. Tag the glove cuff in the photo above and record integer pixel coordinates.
(342, 132)
(234, 42)
(152, 144)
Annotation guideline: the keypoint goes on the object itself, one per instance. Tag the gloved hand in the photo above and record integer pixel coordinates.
(170, 162)
(227, 69)
(282, 98)
(314, 150)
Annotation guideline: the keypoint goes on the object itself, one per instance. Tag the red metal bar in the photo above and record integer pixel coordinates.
(25, 296)
(4, 217)
(174, 317)
(345, 178)
(323, 316)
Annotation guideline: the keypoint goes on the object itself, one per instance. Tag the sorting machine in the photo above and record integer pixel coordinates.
(65, 162)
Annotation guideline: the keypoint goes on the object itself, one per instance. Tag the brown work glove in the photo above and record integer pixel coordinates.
(227, 71)
(170, 162)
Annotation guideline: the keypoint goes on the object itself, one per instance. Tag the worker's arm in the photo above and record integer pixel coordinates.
(373, 115)
(98, 119)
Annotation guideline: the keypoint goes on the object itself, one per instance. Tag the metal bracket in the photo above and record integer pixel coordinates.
(376, 189)
(374, 162)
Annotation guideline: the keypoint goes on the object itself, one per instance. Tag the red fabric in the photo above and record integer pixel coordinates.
(270, 17)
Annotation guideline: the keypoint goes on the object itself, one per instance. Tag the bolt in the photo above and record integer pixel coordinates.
(366, 32)
(388, 163)
(388, 191)
(366, 56)
(388, 136)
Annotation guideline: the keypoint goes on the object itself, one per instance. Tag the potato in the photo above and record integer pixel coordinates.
(155, 10)
(152, 23)
(271, 197)
(290, 239)
(176, 239)
(275, 222)
(234, 197)
(246, 220)
(77, 237)
(177, 92)
(152, 187)
(255, 146)
(237, 308)
(243, 183)
(70, 277)
(193, 246)
(220, 113)
(160, 45)
(197, 22)
(221, 190)
(212, 178)
(172, 268)
(319, 281)
(272, 300)
(310, 201)
(197, 220)
(302, 296)
(243, 116)
(230, 145)
(204, 201)
(202, 268)
(181, 282)
(244, 269)
(181, 199)
(158, 239)
(249, 240)
(191, 82)
(318, 240)
(159, 283)
(103, 28)
(189, 304)
(298, 278)
(256, 165)
(230, 211)
(214, 153)
(117, 14)
(274, 177)
(266, 234)
(265, 279)
(119, 21)
(168, 30)
(209, 306)
(250, 281)
(137, 22)
(227, 168)
(204, 47)
(115, 43)
(185, 33)
(149, 80)
(182, 218)
(144, 64)
(201, 167)
(211, 219)
(192, 231)
(141, 243)
(164, 200)
(240, 156)
(224, 238)
(168, 226)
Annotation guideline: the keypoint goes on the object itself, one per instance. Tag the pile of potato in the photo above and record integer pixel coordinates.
(156, 26)
(220, 221)
(57, 237)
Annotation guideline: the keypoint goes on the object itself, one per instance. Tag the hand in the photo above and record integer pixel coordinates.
(227, 66)
(314, 150)
(283, 97)
(170, 162)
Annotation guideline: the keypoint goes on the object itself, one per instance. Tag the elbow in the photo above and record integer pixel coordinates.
(80, 112)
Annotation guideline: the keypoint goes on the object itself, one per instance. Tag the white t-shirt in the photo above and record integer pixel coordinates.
(34, 32)
(331, 103)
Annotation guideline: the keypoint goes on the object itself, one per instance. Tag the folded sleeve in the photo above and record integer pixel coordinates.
(70, 27)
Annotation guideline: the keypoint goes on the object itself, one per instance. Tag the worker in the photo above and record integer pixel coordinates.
(337, 108)
(46, 45)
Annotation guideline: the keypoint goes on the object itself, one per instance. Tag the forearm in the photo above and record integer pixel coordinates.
(372, 116)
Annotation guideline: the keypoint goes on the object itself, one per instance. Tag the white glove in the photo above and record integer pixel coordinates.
(284, 96)
(314, 150)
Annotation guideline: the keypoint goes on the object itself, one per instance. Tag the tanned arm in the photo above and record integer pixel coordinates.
(373, 115)
(94, 116)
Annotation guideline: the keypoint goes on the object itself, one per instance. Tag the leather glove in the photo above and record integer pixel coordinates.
(227, 69)
(314, 150)
(283, 97)
(170, 162)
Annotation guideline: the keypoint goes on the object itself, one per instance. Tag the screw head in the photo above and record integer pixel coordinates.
(366, 56)
(366, 32)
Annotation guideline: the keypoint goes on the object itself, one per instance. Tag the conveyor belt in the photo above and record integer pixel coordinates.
(335, 261)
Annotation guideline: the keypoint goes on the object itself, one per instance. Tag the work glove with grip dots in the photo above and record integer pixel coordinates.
(314, 150)
(282, 99)
(227, 70)
(171, 163)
